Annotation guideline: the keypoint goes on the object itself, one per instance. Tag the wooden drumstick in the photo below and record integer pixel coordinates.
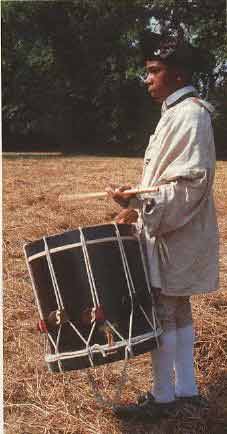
(78, 196)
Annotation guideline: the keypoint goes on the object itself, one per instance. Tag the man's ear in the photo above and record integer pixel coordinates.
(180, 77)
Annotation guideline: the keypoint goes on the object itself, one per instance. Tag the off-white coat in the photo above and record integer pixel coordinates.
(179, 220)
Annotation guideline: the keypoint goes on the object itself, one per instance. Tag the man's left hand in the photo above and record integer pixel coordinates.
(127, 216)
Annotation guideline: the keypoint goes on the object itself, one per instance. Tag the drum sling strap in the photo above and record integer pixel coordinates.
(97, 308)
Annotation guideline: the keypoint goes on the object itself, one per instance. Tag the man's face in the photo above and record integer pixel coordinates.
(161, 80)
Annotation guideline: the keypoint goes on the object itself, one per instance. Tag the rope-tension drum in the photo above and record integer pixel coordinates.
(93, 295)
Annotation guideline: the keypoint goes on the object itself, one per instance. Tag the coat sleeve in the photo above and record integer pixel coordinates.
(175, 204)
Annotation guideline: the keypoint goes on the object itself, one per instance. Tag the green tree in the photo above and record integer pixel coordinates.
(69, 68)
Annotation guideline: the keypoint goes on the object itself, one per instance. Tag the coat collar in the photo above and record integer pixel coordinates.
(178, 96)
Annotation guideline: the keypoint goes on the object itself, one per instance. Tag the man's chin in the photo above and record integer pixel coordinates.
(154, 96)
(152, 93)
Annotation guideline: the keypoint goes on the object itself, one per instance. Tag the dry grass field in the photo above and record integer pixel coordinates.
(38, 402)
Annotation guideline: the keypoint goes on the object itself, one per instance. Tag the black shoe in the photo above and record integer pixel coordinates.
(149, 409)
(144, 397)
(194, 400)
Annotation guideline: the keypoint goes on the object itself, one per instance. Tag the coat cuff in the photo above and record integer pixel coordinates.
(153, 208)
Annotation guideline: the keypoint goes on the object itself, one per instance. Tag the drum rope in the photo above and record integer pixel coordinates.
(53, 276)
(77, 331)
(55, 345)
(130, 284)
(33, 285)
(95, 301)
(88, 347)
(96, 348)
(94, 294)
(115, 330)
(40, 311)
(154, 318)
(144, 265)
(57, 348)
(58, 337)
(95, 298)
(91, 278)
(58, 298)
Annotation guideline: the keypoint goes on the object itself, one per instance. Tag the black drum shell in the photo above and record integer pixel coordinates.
(111, 284)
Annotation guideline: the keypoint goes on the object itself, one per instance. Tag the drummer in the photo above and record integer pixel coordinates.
(177, 222)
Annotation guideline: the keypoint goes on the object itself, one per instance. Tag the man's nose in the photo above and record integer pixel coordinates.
(148, 79)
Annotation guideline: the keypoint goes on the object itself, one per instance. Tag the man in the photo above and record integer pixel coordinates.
(178, 221)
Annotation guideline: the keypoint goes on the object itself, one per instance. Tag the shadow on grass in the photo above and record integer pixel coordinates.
(211, 419)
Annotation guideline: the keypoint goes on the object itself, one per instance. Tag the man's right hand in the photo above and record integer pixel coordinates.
(118, 195)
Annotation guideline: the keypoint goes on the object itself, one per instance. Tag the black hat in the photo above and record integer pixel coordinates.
(173, 49)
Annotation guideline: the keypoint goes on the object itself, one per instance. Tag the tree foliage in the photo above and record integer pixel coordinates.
(69, 68)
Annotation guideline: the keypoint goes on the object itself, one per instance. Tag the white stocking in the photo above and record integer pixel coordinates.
(163, 368)
(185, 383)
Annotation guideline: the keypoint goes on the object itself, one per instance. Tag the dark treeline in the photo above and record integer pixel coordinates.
(70, 71)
